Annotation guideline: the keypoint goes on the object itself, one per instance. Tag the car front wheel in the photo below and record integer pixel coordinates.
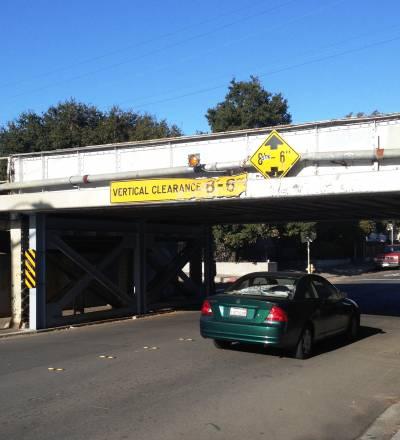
(305, 345)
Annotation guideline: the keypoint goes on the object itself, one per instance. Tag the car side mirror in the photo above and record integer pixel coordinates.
(343, 295)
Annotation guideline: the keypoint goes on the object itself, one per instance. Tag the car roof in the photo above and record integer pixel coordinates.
(285, 274)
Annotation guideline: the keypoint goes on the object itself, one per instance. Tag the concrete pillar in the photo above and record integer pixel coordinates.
(140, 264)
(16, 267)
(37, 296)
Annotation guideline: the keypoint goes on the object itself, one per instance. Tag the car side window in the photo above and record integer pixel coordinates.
(304, 289)
(324, 289)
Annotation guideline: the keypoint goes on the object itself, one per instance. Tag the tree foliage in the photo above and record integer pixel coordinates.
(72, 124)
(362, 114)
(230, 240)
(248, 105)
(296, 229)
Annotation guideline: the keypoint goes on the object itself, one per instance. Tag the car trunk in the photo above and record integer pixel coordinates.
(244, 309)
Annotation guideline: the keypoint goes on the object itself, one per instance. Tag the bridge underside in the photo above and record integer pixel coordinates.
(312, 208)
(100, 263)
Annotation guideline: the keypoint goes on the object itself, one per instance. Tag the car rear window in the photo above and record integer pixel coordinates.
(264, 285)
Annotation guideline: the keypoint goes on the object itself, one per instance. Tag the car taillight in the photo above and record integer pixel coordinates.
(276, 314)
(206, 309)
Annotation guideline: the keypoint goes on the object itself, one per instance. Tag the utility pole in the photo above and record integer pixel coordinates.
(390, 227)
(308, 238)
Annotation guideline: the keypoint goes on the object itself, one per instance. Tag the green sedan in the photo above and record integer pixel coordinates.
(288, 310)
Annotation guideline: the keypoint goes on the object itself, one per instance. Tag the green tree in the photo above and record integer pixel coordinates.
(298, 229)
(248, 105)
(232, 240)
(72, 124)
(361, 114)
(366, 227)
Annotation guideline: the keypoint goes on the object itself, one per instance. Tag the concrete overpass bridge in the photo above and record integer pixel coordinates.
(111, 226)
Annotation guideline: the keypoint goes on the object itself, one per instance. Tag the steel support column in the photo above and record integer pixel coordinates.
(37, 295)
(209, 263)
(195, 269)
(140, 263)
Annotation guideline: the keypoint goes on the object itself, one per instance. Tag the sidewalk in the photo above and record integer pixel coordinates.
(346, 269)
(5, 329)
(386, 426)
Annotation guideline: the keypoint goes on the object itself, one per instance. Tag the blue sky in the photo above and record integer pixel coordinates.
(175, 58)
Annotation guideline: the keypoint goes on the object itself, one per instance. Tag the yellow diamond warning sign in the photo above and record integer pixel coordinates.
(274, 157)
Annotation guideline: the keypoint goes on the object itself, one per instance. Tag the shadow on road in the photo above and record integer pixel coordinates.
(331, 344)
(336, 343)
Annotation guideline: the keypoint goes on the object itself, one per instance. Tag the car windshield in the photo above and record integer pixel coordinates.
(264, 286)
(391, 249)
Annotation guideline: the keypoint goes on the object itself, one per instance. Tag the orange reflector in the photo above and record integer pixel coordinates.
(194, 160)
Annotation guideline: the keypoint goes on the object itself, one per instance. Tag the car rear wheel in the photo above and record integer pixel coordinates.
(305, 345)
(353, 328)
(221, 344)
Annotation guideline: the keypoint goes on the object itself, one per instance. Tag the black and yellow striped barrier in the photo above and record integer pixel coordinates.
(30, 268)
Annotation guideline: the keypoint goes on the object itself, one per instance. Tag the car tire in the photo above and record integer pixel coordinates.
(221, 344)
(353, 328)
(305, 344)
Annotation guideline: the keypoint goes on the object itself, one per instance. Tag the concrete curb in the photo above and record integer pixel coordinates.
(386, 426)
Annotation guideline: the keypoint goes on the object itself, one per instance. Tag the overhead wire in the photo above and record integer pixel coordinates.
(124, 49)
(155, 51)
(262, 74)
(369, 33)
(233, 41)
(273, 72)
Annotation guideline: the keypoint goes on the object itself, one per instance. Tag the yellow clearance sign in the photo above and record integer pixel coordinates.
(160, 190)
(275, 157)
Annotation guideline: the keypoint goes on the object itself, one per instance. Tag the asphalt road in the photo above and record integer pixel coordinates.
(188, 389)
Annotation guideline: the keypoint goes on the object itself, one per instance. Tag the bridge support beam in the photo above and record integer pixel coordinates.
(37, 295)
(209, 263)
(196, 269)
(139, 268)
(93, 269)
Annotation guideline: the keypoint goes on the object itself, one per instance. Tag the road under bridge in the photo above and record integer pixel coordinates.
(105, 231)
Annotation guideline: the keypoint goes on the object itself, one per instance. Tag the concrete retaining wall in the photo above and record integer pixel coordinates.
(230, 271)
(244, 267)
